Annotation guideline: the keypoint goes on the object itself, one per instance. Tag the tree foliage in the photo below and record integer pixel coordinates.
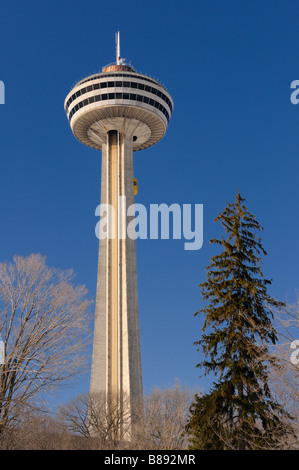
(239, 412)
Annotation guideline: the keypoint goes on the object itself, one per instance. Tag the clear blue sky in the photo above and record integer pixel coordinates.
(228, 66)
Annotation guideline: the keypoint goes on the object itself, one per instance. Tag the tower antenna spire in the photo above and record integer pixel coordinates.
(117, 39)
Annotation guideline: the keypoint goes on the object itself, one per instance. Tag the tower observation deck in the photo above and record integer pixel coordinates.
(117, 111)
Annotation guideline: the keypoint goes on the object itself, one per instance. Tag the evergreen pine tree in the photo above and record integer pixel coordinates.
(239, 412)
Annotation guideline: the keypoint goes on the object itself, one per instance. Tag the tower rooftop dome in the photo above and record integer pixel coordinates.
(118, 68)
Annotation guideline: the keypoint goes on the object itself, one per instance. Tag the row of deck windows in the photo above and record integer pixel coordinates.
(122, 84)
(120, 96)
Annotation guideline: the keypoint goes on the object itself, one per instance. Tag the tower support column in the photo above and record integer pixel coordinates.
(116, 361)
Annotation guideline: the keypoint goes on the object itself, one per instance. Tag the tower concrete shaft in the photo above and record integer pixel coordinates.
(116, 361)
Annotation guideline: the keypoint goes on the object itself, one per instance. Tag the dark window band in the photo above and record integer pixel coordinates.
(124, 96)
(111, 84)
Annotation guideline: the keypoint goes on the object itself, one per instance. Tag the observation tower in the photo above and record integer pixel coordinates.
(117, 111)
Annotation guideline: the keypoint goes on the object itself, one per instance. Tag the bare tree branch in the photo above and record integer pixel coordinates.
(44, 324)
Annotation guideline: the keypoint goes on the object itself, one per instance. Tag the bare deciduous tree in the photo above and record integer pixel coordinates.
(40, 431)
(106, 422)
(165, 417)
(158, 423)
(284, 379)
(44, 325)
